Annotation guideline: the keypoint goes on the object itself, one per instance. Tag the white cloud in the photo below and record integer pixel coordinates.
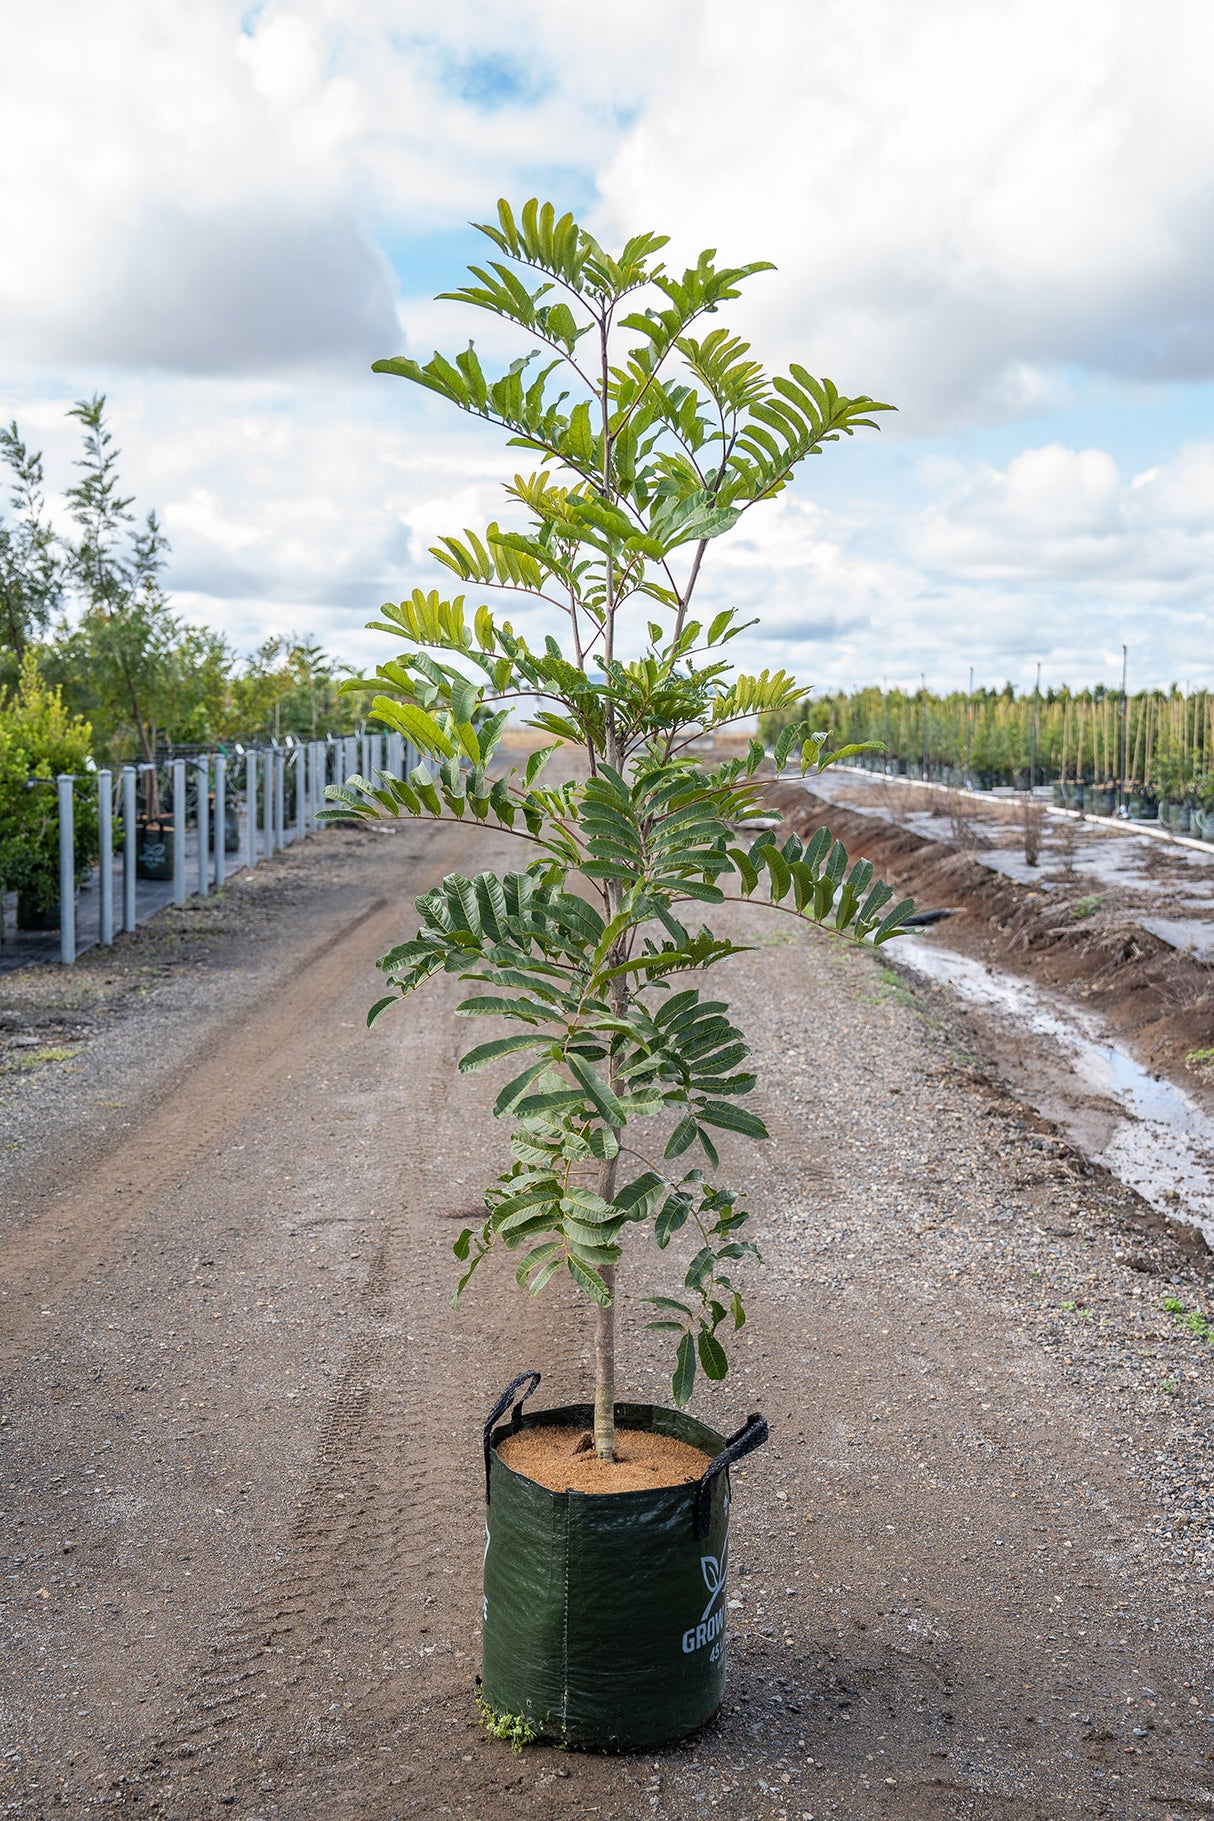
(1069, 516)
(961, 198)
(967, 204)
(202, 192)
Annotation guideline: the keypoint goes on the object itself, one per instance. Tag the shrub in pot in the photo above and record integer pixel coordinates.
(39, 740)
(648, 440)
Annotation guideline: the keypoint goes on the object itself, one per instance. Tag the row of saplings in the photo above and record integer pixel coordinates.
(607, 1523)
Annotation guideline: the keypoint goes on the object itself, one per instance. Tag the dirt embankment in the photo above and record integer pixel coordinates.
(1155, 999)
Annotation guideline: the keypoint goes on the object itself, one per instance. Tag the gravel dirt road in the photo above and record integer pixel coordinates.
(239, 1483)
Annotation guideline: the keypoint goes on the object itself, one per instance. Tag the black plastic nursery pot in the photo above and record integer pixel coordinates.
(33, 915)
(604, 1614)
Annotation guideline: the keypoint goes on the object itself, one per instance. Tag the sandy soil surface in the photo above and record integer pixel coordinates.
(564, 1460)
(240, 1493)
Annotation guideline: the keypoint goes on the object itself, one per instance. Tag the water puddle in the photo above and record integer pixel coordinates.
(1151, 1135)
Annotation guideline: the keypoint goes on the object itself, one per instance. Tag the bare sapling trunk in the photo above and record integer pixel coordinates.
(604, 1321)
(604, 1372)
(604, 1316)
(1034, 825)
(604, 1341)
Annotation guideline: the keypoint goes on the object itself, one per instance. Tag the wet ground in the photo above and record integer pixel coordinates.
(1148, 1132)
(1167, 881)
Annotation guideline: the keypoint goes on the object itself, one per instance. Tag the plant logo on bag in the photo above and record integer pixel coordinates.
(711, 1624)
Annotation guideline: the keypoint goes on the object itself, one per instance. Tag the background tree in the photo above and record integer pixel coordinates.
(31, 561)
(122, 648)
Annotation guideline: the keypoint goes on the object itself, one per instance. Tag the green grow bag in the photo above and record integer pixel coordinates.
(604, 1614)
(154, 849)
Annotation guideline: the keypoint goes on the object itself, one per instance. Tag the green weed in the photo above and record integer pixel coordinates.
(34, 1059)
(1192, 1319)
(1083, 907)
(894, 986)
(514, 1728)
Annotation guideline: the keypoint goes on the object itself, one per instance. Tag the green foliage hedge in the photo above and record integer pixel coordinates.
(39, 739)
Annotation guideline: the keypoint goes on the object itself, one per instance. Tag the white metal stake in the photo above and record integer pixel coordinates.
(301, 791)
(250, 804)
(221, 831)
(178, 831)
(128, 848)
(280, 778)
(105, 857)
(267, 799)
(204, 839)
(67, 869)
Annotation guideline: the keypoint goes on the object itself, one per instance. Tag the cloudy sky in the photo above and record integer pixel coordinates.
(999, 218)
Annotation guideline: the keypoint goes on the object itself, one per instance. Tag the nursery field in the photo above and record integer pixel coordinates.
(240, 1488)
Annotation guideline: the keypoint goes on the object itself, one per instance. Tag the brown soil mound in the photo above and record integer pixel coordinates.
(564, 1460)
(1156, 1000)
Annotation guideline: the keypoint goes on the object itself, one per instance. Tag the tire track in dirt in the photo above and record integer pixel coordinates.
(367, 1556)
(377, 1590)
(256, 1677)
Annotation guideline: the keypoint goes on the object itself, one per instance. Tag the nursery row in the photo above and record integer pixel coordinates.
(88, 610)
(1151, 753)
(137, 838)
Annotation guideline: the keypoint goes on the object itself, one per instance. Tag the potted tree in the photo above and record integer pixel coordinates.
(605, 1575)
(39, 739)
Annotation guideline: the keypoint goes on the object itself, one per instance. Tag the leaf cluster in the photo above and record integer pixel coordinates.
(653, 432)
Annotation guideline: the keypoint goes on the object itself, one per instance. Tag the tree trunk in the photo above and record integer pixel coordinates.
(604, 1320)
(604, 1323)
(604, 1373)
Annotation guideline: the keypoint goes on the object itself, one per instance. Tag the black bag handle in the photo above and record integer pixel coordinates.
(511, 1395)
(750, 1436)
